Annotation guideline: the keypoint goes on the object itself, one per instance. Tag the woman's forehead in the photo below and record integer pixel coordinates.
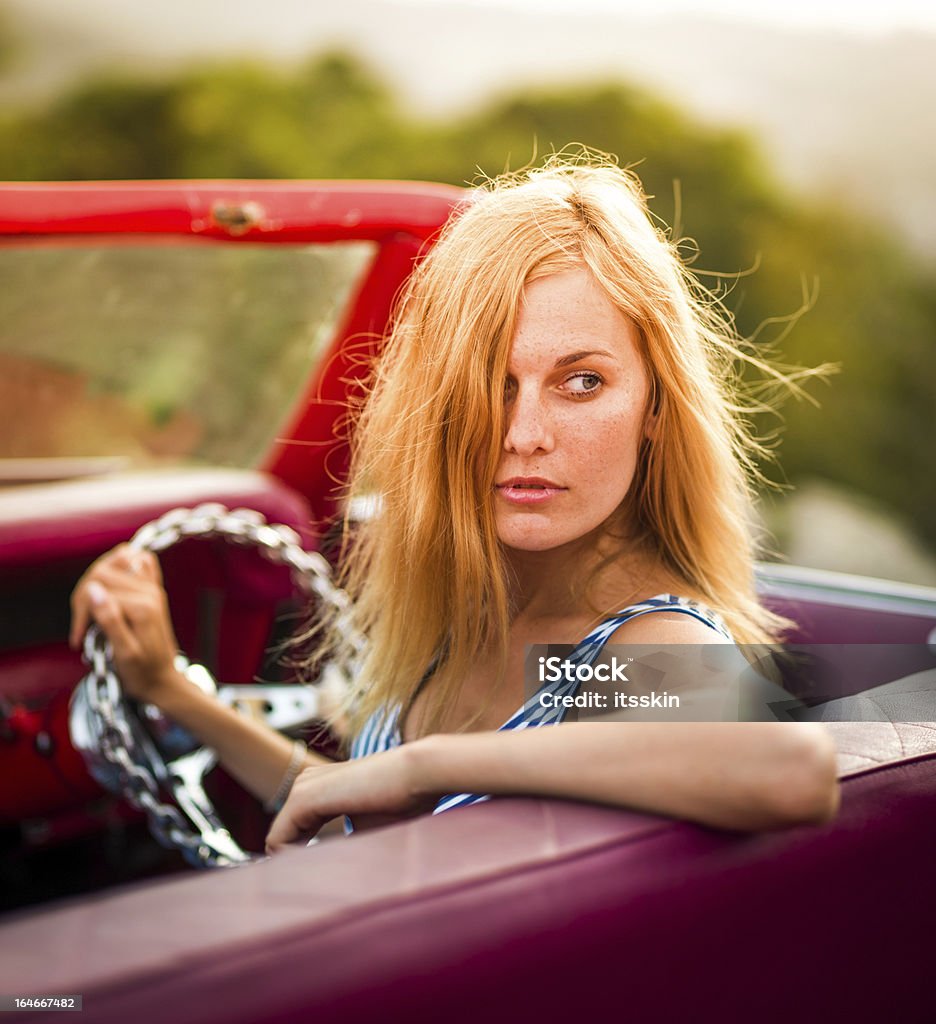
(568, 312)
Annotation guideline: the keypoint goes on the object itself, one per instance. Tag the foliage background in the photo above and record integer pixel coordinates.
(873, 305)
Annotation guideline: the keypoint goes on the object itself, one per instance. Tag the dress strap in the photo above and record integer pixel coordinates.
(600, 635)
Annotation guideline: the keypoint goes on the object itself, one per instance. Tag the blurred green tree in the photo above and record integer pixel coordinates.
(874, 311)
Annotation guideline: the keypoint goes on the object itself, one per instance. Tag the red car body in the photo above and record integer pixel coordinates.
(529, 909)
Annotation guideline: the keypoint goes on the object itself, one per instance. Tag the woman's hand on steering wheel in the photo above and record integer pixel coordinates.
(123, 593)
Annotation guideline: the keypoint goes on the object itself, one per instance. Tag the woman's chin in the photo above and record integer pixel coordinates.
(528, 547)
(535, 541)
(533, 533)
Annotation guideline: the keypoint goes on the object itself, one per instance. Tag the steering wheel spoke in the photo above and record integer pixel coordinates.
(283, 707)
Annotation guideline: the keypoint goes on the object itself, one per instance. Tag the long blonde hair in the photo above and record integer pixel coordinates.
(426, 573)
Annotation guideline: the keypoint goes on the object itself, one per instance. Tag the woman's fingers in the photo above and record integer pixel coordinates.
(109, 616)
(313, 800)
(122, 591)
(122, 581)
(142, 564)
(293, 822)
(149, 566)
(123, 560)
(80, 619)
(94, 591)
(374, 791)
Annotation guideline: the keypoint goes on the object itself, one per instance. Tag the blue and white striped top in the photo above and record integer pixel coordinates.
(382, 730)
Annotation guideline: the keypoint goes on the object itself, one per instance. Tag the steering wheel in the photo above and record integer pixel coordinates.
(134, 750)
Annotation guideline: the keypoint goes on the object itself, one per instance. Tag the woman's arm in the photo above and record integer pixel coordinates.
(755, 775)
(123, 593)
(257, 756)
(730, 774)
(735, 775)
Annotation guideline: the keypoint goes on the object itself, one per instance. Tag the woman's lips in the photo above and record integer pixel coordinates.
(528, 490)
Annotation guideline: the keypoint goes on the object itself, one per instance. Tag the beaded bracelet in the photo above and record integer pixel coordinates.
(295, 766)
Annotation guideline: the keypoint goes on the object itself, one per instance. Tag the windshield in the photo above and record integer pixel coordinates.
(130, 351)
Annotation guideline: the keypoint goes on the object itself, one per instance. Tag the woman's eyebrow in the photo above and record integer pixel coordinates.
(574, 357)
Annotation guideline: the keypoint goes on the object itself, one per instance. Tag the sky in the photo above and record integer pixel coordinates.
(856, 16)
(838, 94)
(267, 17)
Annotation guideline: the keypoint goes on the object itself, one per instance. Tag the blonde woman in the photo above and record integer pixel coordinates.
(559, 459)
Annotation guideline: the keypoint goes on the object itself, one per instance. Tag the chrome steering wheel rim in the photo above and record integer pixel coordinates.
(115, 734)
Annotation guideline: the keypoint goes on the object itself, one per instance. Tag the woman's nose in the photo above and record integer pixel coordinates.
(528, 428)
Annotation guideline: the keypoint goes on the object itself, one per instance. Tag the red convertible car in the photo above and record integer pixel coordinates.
(195, 345)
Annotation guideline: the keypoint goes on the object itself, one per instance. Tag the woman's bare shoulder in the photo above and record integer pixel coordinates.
(665, 627)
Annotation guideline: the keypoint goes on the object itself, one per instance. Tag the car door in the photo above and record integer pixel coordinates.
(164, 344)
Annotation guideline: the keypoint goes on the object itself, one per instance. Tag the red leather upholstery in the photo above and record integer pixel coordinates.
(522, 909)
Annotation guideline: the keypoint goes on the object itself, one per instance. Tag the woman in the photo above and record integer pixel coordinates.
(559, 459)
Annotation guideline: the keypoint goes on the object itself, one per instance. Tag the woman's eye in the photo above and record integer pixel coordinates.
(582, 383)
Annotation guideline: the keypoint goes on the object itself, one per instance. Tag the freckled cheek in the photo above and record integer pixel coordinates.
(610, 450)
(613, 434)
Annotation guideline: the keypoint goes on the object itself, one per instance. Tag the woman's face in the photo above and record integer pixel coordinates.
(576, 398)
